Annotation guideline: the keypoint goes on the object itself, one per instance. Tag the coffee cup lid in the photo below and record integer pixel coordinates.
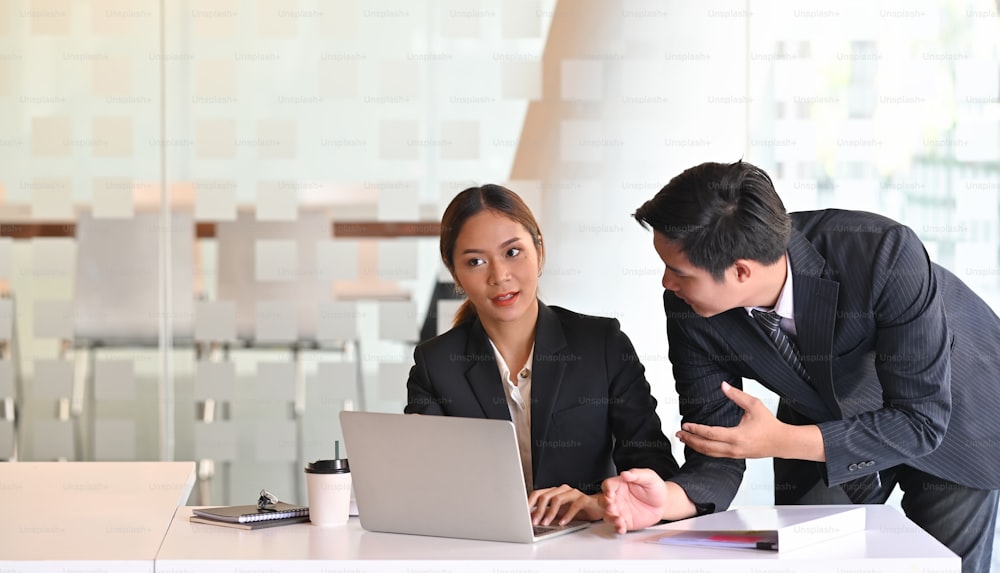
(337, 466)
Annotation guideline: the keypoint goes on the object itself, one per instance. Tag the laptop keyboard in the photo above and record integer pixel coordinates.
(543, 529)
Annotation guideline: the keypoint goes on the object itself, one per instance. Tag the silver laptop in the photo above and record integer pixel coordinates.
(441, 476)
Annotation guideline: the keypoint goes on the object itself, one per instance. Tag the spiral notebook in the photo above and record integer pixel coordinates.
(251, 513)
(251, 525)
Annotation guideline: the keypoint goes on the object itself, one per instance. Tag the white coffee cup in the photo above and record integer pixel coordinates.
(328, 485)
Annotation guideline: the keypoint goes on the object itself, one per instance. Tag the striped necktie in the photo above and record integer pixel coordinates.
(770, 321)
(860, 490)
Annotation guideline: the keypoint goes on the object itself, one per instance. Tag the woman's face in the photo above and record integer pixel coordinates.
(497, 263)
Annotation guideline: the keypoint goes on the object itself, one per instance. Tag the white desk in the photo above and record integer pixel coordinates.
(890, 543)
(88, 516)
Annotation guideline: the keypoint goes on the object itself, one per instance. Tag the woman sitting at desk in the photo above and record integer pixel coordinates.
(572, 384)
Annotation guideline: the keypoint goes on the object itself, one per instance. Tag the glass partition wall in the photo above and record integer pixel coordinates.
(219, 218)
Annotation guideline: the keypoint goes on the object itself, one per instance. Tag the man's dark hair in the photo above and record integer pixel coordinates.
(719, 213)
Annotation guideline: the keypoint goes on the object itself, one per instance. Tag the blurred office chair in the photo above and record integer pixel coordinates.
(268, 273)
(440, 310)
(118, 300)
(10, 387)
(268, 269)
(214, 432)
(53, 439)
(118, 278)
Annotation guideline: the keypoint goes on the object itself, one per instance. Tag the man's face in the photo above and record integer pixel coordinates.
(694, 285)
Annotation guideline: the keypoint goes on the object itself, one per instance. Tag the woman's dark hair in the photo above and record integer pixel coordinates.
(473, 201)
(719, 213)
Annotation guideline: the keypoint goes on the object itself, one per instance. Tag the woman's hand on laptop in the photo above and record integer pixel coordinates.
(635, 499)
(565, 503)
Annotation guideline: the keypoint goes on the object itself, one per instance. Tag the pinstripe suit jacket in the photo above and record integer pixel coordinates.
(904, 361)
(592, 413)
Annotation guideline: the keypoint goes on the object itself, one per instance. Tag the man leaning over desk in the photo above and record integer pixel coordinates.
(887, 365)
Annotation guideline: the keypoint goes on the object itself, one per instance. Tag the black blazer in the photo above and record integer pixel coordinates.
(904, 361)
(592, 414)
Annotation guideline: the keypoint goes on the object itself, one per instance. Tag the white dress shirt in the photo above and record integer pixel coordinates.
(785, 306)
(518, 392)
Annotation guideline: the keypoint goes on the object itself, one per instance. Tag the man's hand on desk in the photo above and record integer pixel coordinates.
(635, 499)
(563, 502)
